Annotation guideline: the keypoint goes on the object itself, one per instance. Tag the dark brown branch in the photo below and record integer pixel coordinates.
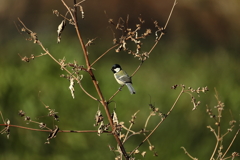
(102, 100)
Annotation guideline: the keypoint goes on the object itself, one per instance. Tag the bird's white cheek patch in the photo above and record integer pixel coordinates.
(117, 70)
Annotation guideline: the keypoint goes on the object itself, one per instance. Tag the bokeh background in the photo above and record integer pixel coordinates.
(200, 48)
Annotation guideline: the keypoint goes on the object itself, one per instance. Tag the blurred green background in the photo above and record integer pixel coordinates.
(200, 48)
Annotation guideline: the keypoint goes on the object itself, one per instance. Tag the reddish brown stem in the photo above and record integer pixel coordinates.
(95, 83)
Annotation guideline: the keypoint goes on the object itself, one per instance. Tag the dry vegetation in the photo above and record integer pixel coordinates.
(120, 130)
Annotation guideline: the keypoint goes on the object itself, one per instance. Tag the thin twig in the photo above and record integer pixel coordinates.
(235, 136)
(133, 133)
(137, 68)
(218, 136)
(45, 50)
(24, 25)
(2, 118)
(76, 4)
(186, 152)
(175, 3)
(104, 54)
(215, 149)
(162, 33)
(130, 127)
(64, 68)
(80, 84)
(145, 126)
(32, 129)
(49, 130)
(119, 89)
(74, 16)
(174, 104)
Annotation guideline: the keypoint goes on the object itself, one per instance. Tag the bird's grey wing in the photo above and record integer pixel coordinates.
(125, 79)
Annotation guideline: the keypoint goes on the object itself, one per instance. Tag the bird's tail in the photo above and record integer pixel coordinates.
(130, 88)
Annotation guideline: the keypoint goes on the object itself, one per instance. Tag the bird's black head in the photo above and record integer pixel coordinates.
(116, 68)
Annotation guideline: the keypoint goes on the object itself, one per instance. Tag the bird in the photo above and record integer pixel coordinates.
(122, 77)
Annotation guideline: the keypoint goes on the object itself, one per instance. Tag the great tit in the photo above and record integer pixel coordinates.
(122, 77)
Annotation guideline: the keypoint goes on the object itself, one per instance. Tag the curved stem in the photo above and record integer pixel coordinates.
(174, 4)
(214, 151)
(120, 88)
(104, 54)
(128, 130)
(174, 104)
(137, 69)
(80, 84)
(235, 136)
